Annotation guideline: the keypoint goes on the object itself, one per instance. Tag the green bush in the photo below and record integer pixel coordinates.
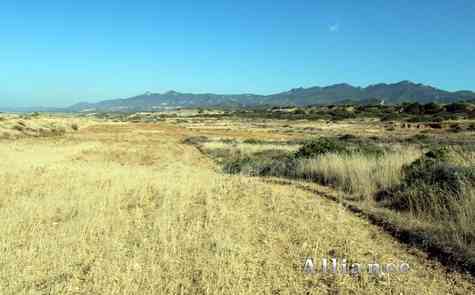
(253, 141)
(320, 146)
(343, 145)
(435, 125)
(440, 174)
(455, 127)
(430, 185)
(432, 108)
(282, 165)
(235, 166)
(413, 108)
(18, 127)
(458, 107)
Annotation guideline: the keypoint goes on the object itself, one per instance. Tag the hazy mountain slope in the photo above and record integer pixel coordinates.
(317, 95)
(404, 91)
(172, 99)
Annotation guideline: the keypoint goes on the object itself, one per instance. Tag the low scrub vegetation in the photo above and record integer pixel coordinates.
(409, 112)
(438, 189)
(434, 189)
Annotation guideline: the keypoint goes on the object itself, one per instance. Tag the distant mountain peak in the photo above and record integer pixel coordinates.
(340, 85)
(296, 89)
(405, 82)
(171, 92)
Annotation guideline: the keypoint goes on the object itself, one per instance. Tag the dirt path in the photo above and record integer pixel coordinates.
(129, 209)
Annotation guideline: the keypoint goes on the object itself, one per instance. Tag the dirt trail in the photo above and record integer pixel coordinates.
(129, 209)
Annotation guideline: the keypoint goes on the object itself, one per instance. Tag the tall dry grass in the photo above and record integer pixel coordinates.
(357, 173)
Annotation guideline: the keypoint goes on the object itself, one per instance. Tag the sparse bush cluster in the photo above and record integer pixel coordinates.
(264, 164)
(432, 183)
(342, 145)
(409, 112)
(321, 146)
(435, 188)
(439, 189)
(288, 164)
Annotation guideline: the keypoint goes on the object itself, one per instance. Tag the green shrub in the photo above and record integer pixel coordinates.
(347, 137)
(458, 107)
(235, 166)
(258, 166)
(440, 174)
(413, 108)
(299, 112)
(320, 146)
(253, 141)
(455, 127)
(416, 119)
(435, 125)
(18, 127)
(194, 140)
(343, 145)
(432, 108)
(430, 185)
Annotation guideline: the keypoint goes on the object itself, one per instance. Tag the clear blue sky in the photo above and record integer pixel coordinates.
(55, 53)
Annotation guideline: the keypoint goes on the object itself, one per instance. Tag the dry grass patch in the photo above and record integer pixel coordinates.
(14, 126)
(358, 173)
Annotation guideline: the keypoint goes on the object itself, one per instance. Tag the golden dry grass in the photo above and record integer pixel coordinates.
(13, 126)
(358, 173)
(128, 209)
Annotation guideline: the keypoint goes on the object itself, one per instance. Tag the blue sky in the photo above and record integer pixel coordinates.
(56, 53)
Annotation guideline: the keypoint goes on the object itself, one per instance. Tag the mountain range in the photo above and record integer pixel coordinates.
(404, 91)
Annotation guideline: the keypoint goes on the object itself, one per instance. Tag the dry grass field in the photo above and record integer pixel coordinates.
(128, 208)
